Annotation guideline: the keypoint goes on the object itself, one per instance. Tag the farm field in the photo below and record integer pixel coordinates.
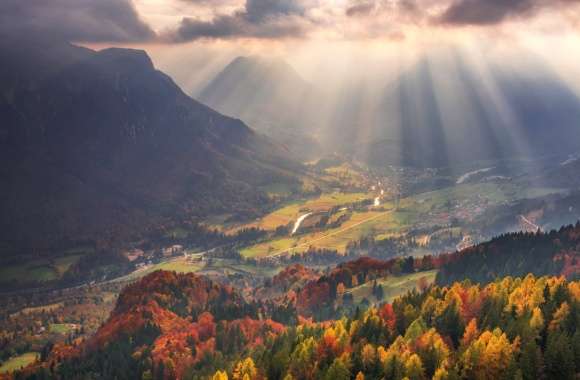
(289, 213)
(229, 267)
(179, 264)
(434, 208)
(41, 270)
(18, 362)
(62, 328)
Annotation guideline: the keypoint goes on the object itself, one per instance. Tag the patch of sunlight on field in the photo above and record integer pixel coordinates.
(18, 362)
(359, 225)
(412, 211)
(62, 328)
(270, 247)
(393, 286)
(62, 264)
(180, 265)
(346, 173)
(289, 213)
(232, 267)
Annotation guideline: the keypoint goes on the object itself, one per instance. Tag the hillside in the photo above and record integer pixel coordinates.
(440, 111)
(432, 117)
(516, 254)
(100, 147)
(377, 318)
(257, 90)
(512, 328)
(271, 96)
(166, 326)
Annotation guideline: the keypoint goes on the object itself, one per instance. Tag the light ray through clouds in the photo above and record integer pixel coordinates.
(387, 82)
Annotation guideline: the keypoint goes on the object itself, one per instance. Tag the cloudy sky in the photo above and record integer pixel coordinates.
(178, 21)
(193, 39)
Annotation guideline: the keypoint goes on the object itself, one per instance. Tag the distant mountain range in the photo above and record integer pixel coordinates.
(435, 114)
(266, 93)
(101, 146)
(269, 95)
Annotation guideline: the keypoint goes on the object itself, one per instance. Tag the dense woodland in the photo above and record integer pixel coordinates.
(516, 254)
(514, 328)
(302, 325)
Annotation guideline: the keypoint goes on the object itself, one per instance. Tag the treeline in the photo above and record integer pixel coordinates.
(514, 328)
(326, 297)
(516, 254)
(510, 329)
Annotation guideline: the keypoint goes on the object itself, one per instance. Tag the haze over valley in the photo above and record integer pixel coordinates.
(263, 189)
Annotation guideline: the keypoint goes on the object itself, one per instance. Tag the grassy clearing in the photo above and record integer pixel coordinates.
(231, 267)
(270, 247)
(393, 286)
(180, 265)
(40, 270)
(278, 189)
(177, 233)
(346, 174)
(36, 270)
(19, 362)
(62, 328)
(62, 264)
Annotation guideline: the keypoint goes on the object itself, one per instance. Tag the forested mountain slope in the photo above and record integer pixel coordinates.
(100, 146)
(513, 328)
(516, 254)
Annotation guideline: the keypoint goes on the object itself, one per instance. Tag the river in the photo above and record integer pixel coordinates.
(299, 222)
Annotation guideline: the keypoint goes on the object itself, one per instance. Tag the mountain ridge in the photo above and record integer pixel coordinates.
(102, 141)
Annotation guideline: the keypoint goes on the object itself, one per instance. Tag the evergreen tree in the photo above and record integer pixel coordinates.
(559, 358)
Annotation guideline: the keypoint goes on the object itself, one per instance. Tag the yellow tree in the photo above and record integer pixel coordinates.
(414, 368)
(488, 357)
(368, 355)
(537, 320)
(471, 333)
(245, 370)
(560, 316)
(528, 295)
(433, 351)
(441, 374)
(220, 375)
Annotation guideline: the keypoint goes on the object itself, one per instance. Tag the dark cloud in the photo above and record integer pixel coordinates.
(258, 19)
(490, 12)
(75, 20)
(361, 8)
(409, 6)
(260, 10)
